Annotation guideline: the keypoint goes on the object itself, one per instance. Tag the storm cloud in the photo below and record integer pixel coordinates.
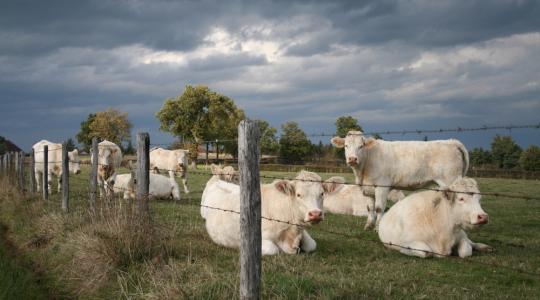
(391, 64)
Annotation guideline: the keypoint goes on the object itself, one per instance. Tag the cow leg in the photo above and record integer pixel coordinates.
(49, 181)
(269, 248)
(308, 244)
(184, 182)
(476, 246)
(370, 214)
(381, 195)
(416, 248)
(59, 183)
(38, 181)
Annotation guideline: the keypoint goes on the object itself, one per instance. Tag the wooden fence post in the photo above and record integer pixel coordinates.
(250, 210)
(8, 165)
(217, 152)
(65, 178)
(16, 165)
(21, 171)
(32, 171)
(207, 146)
(143, 172)
(93, 174)
(2, 164)
(45, 170)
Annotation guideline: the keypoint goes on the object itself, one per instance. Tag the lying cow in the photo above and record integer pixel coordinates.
(227, 174)
(433, 223)
(406, 164)
(161, 187)
(297, 201)
(54, 165)
(109, 160)
(171, 161)
(348, 199)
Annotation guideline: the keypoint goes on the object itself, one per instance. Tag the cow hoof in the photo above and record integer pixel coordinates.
(368, 226)
(483, 248)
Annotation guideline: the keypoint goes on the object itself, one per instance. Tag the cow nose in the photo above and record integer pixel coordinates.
(352, 160)
(482, 219)
(315, 215)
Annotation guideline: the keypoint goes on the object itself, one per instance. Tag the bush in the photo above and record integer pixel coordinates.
(530, 159)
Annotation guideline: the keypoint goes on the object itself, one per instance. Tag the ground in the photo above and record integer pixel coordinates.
(348, 263)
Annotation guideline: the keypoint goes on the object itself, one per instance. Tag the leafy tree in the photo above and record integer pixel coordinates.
(201, 114)
(530, 159)
(70, 144)
(480, 157)
(129, 149)
(346, 123)
(269, 142)
(84, 137)
(505, 152)
(294, 145)
(377, 136)
(111, 125)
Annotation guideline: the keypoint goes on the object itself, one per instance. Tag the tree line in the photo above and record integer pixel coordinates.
(199, 115)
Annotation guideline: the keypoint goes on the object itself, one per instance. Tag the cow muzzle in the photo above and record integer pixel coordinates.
(352, 161)
(482, 219)
(315, 216)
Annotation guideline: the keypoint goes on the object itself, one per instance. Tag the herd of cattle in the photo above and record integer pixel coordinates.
(424, 224)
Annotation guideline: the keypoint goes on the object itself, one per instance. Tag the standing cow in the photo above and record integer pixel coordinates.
(297, 201)
(54, 158)
(403, 164)
(432, 223)
(175, 162)
(109, 160)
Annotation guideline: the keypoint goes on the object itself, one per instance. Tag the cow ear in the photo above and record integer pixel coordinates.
(338, 142)
(215, 169)
(75, 151)
(448, 194)
(369, 142)
(285, 186)
(333, 184)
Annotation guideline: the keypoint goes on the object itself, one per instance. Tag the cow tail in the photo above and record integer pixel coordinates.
(464, 157)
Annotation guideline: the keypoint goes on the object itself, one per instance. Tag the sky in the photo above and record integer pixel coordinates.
(393, 65)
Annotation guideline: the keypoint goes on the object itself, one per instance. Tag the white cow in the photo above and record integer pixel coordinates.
(227, 174)
(109, 160)
(433, 223)
(161, 187)
(54, 165)
(402, 163)
(347, 199)
(297, 201)
(171, 161)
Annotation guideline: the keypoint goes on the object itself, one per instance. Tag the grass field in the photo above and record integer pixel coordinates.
(350, 265)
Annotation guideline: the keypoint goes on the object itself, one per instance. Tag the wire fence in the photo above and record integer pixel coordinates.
(12, 169)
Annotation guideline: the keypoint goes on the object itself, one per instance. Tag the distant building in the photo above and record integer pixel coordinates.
(8, 146)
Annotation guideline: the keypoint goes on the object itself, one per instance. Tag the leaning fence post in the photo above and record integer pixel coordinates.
(8, 173)
(93, 174)
(250, 210)
(21, 171)
(45, 170)
(65, 178)
(32, 171)
(143, 171)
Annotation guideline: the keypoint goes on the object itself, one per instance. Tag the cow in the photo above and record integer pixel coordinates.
(175, 162)
(382, 164)
(349, 199)
(226, 173)
(295, 204)
(433, 223)
(109, 160)
(54, 165)
(161, 187)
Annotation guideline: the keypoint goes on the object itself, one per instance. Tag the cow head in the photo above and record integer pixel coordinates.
(105, 161)
(181, 162)
(306, 191)
(74, 162)
(465, 203)
(355, 144)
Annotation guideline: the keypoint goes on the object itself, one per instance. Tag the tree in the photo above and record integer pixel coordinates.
(129, 149)
(530, 159)
(201, 114)
(84, 137)
(294, 145)
(70, 144)
(505, 152)
(377, 136)
(2, 145)
(111, 125)
(346, 123)
(480, 157)
(269, 142)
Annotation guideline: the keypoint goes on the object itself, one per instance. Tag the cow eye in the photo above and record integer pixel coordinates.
(346, 146)
(298, 195)
(461, 199)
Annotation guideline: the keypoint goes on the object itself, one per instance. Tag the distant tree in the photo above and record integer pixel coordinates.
(111, 125)
(84, 137)
(269, 142)
(70, 144)
(129, 149)
(505, 152)
(377, 136)
(530, 159)
(294, 145)
(200, 114)
(480, 157)
(346, 123)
